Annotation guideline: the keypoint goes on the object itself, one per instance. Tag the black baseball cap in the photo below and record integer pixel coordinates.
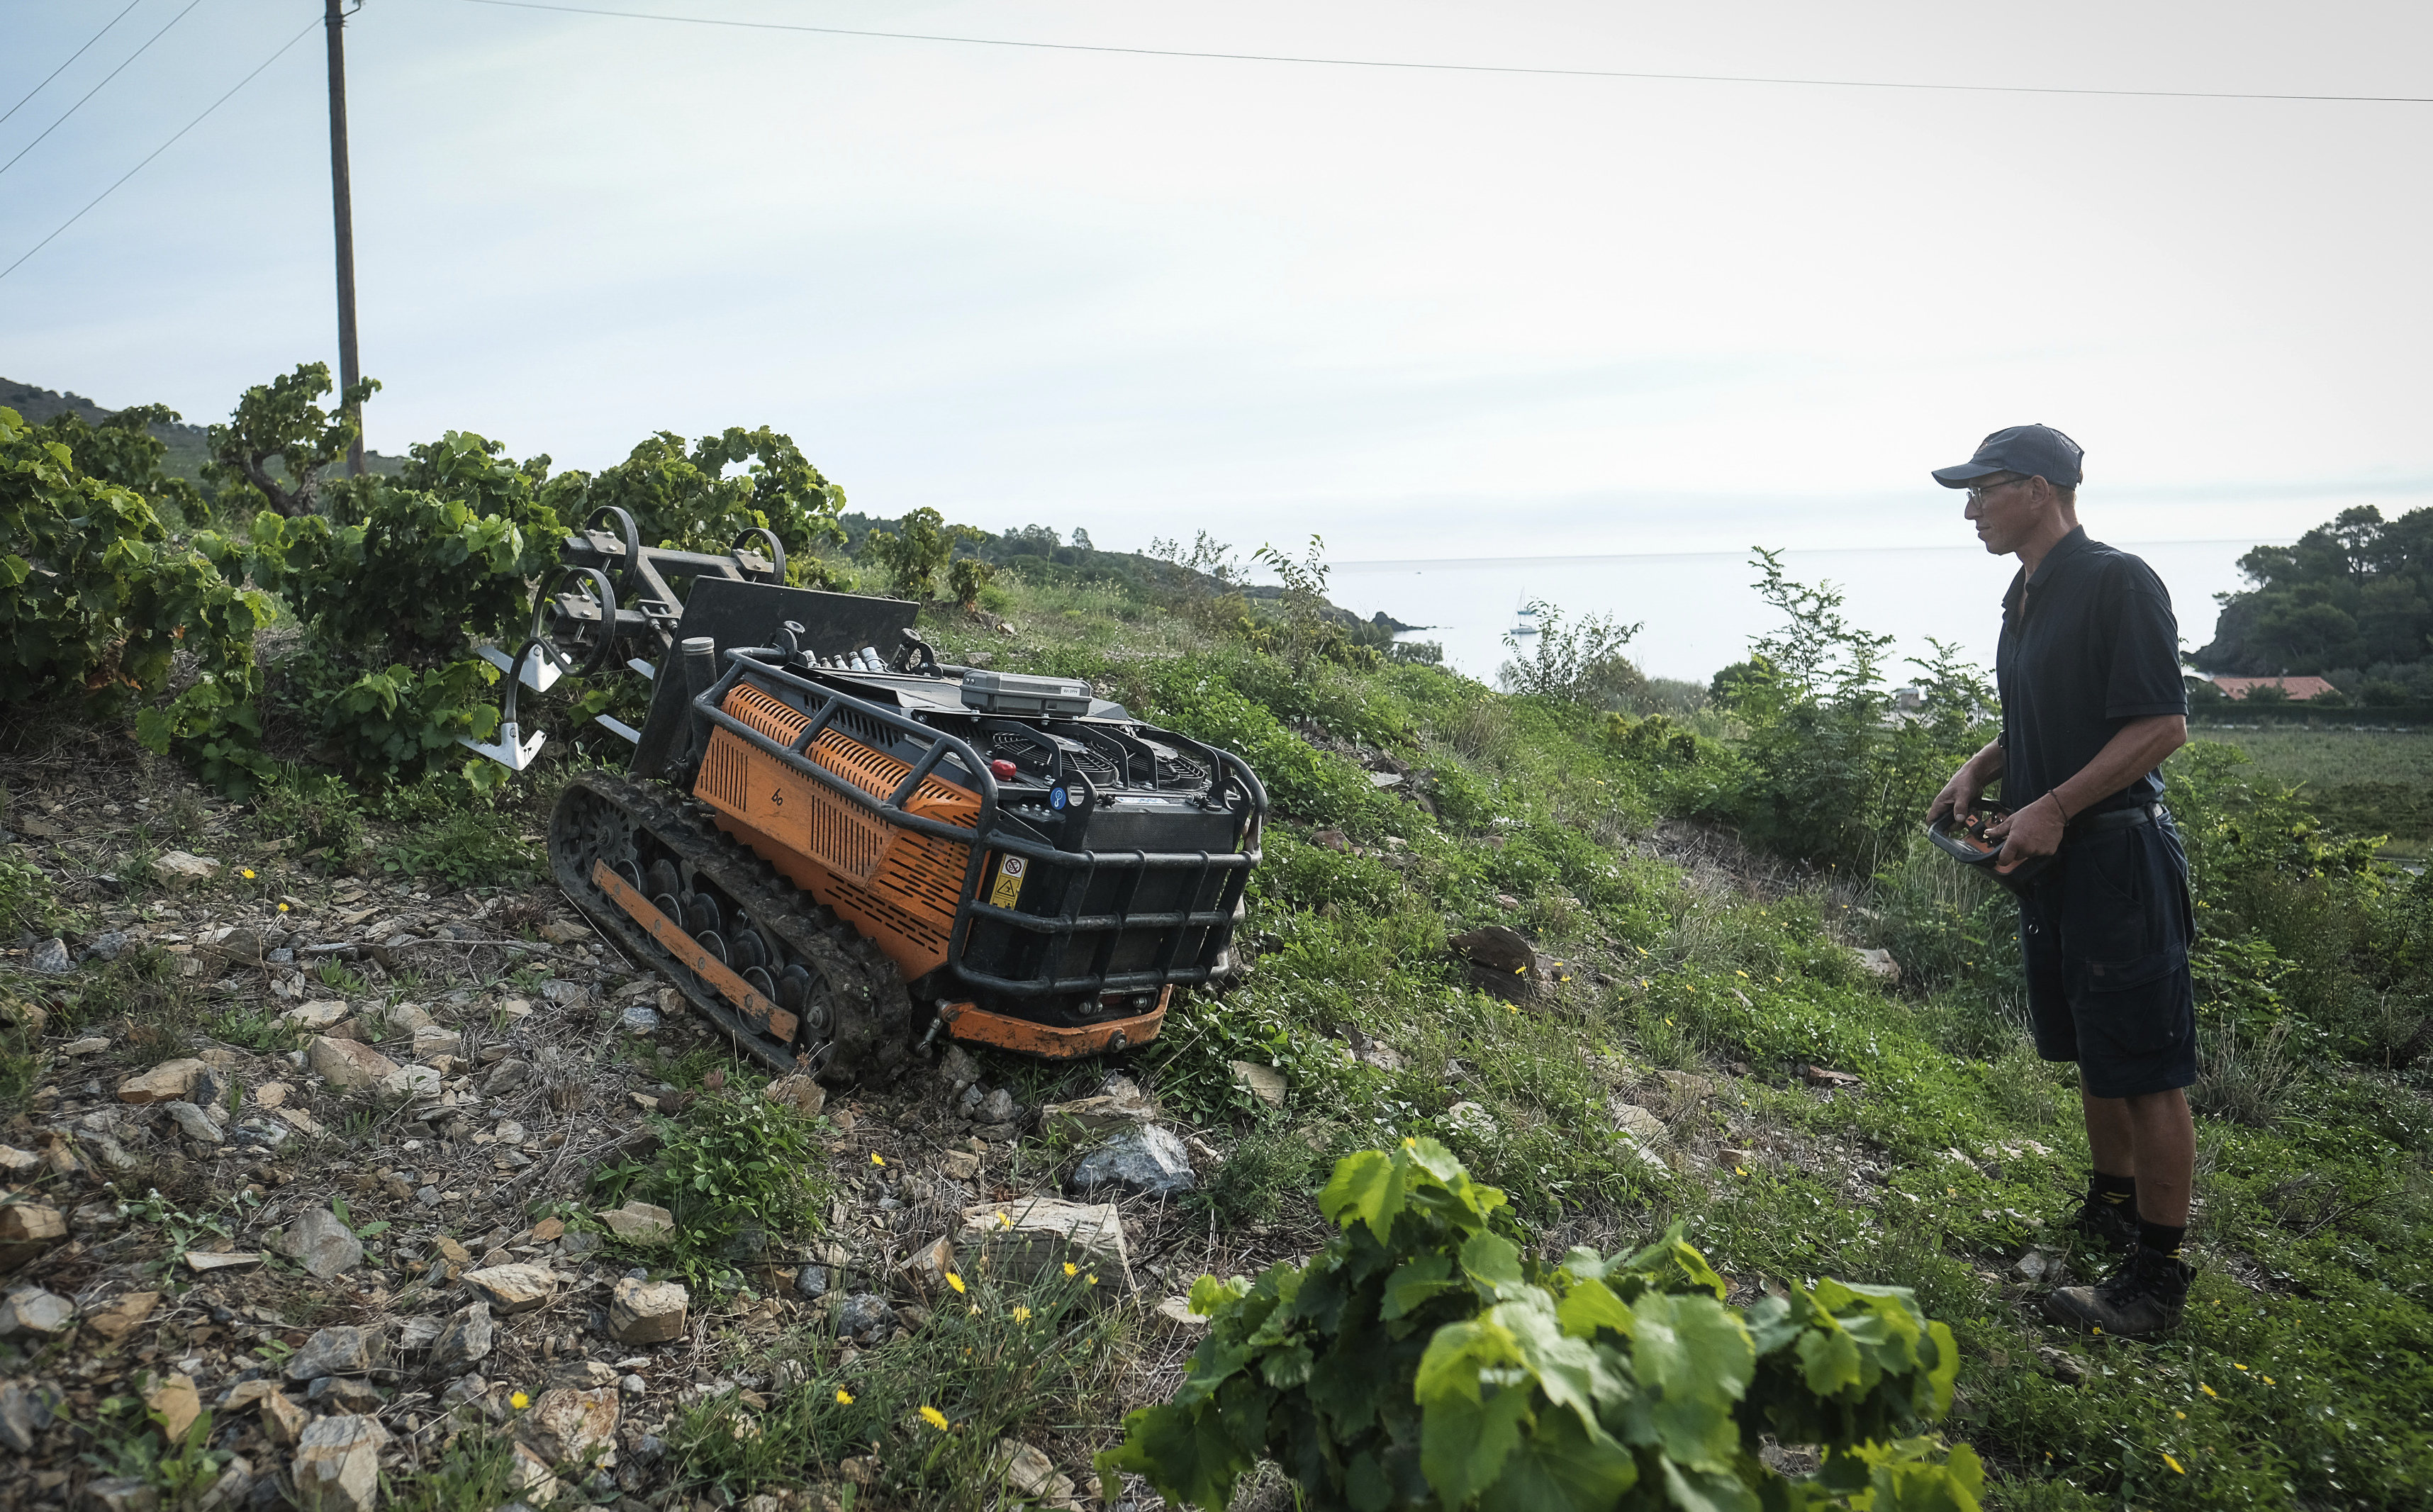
(2030, 451)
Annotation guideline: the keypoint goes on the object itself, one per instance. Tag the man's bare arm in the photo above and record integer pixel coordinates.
(2137, 748)
(1968, 784)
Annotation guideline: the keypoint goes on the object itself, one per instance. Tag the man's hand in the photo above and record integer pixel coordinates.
(2034, 831)
(1959, 796)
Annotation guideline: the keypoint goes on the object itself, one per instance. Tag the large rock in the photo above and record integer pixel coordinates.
(464, 1341)
(315, 1016)
(641, 1311)
(194, 1123)
(27, 1229)
(516, 1289)
(432, 1041)
(1147, 1160)
(864, 1317)
(1643, 1127)
(1084, 1116)
(1021, 1239)
(337, 1465)
(25, 1412)
(175, 1399)
(181, 870)
(1502, 961)
(799, 1093)
(121, 1493)
(323, 1246)
(345, 1350)
(123, 1316)
(35, 1311)
(50, 958)
(348, 1063)
(640, 1223)
(574, 1426)
(282, 1420)
(1264, 1082)
(1028, 1472)
(169, 1081)
(412, 1081)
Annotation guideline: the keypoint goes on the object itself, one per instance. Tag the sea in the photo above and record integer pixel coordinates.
(1699, 610)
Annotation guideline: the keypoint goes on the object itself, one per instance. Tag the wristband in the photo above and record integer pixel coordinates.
(2055, 795)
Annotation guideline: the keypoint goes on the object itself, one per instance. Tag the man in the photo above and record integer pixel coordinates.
(2092, 702)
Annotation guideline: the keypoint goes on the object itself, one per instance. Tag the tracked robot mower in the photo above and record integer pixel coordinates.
(836, 852)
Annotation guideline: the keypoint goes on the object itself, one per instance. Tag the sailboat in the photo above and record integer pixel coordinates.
(1524, 620)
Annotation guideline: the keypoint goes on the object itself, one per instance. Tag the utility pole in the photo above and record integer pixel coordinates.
(343, 209)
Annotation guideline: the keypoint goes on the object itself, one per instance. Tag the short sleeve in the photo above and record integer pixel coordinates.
(2144, 677)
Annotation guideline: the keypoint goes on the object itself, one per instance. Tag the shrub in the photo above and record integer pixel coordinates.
(1580, 663)
(1423, 1360)
(734, 1162)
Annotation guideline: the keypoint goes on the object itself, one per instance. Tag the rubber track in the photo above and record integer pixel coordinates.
(872, 1012)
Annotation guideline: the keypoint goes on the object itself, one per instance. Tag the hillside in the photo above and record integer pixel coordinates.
(1817, 1071)
(187, 449)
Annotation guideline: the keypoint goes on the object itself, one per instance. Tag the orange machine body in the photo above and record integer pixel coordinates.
(901, 890)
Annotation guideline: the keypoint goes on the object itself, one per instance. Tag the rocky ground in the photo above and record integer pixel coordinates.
(313, 1155)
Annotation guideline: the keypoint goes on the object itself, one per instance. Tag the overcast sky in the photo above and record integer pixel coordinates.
(1429, 313)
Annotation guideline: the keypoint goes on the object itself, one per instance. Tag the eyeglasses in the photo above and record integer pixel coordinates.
(1978, 495)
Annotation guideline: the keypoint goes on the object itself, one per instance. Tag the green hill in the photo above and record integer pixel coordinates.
(187, 443)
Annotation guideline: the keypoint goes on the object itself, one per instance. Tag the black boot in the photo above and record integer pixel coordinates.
(2105, 1225)
(2142, 1298)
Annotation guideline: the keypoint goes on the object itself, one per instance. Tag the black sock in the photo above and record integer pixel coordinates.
(2162, 1237)
(2113, 1190)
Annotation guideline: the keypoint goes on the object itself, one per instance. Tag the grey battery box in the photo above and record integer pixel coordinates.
(1013, 693)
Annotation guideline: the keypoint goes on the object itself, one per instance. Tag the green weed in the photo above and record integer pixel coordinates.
(732, 1167)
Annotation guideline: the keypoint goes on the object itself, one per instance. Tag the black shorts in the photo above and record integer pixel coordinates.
(2106, 934)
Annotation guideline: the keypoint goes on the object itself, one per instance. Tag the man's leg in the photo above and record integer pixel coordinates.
(2164, 1136)
(2109, 1215)
(2111, 1135)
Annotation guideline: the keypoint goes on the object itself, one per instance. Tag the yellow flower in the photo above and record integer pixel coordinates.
(2174, 1464)
(283, 908)
(1072, 1269)
(248, 875)
(956, 1282)
(1738, 1171)
(1090, 1281)
(1021, 1315)
(2181, 1415)
(1004, 1219)
(844, 1398)
(934, 1419)
(519, 1402)
(876, 1159)
(1741, 974)
(2268, 1380)
(2207, 1390)
(2236, 1366)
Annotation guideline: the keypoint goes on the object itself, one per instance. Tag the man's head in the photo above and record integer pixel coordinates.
(2022, 486)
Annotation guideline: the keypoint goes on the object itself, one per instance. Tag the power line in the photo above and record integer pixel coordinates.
(1460, 68)
(97, 88)
(72, 58)
(163, 147)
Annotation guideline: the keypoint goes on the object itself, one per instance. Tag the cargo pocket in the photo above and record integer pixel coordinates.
(2132, 1002)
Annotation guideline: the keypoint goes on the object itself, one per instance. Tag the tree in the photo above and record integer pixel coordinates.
(688, 499)
(123, 451)
(1580, 663)
(913, 557)
(283, 419)
(2356, 593)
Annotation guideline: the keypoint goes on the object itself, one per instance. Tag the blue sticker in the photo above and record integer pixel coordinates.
(1056, 798)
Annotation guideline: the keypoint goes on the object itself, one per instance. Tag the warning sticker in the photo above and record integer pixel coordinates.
(1009, 881)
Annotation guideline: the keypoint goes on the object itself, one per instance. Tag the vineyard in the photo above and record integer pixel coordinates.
(1734, 1191)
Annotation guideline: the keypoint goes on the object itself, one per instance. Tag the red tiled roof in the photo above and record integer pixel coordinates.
(2299, 688)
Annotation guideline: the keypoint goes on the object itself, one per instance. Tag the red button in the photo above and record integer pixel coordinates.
(1003, 771)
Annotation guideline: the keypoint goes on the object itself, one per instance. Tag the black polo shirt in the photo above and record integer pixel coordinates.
(2087, 647)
